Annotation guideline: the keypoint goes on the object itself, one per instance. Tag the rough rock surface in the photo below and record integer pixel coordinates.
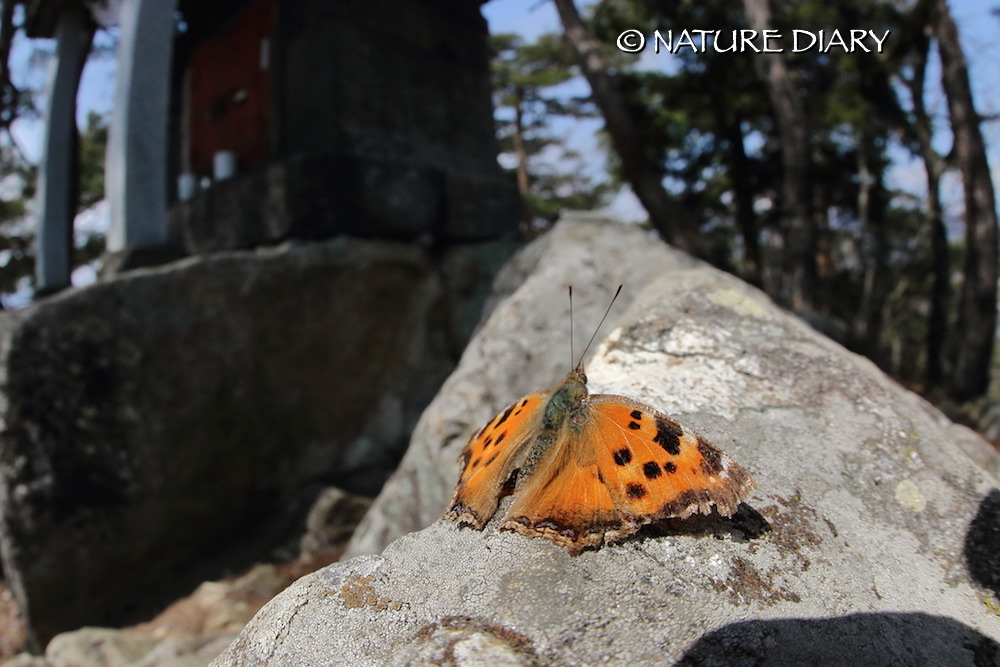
(880, 544)
(524, 346)
(150, 421)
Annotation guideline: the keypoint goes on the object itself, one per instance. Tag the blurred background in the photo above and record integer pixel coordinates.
(885, 216)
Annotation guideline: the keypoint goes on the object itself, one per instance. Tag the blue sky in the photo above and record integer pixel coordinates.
(529, 18)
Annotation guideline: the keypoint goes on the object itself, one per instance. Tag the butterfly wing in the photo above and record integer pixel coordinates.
(620, 466)
(655, 468)
(565, 501)
(491, 456)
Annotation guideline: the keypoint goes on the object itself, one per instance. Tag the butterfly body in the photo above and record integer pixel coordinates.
(588, 469)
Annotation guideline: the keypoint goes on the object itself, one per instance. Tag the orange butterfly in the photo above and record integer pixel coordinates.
(587, 470)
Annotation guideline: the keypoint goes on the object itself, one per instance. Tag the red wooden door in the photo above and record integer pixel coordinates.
(229, 94)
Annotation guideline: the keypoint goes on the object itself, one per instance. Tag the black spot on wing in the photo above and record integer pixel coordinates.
(668, 435)
(500, 438)
(635, 491)
(637, 415)
(506, 414)
(634, 426)
(623, 456)
(669, 467)
(651, 470)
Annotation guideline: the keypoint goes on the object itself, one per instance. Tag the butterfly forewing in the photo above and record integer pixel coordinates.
(489, 458)
(655, 468)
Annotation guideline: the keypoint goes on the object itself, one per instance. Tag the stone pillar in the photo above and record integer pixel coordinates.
(58, 172)
(136, 168)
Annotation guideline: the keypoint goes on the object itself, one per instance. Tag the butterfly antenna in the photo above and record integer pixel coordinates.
(571, 355)
(579, 364)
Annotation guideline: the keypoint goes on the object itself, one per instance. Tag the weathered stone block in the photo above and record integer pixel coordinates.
(479, 206)
(380, 78)
(321, 195)
(176, 420)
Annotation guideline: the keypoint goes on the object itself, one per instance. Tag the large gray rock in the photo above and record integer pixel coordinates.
(152, 422)
(880, 544)
(524, 346)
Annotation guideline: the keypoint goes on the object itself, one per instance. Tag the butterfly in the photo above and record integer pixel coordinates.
(586, 470)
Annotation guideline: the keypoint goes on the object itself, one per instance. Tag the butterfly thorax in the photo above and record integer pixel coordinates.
(563, 409)
(566, 399)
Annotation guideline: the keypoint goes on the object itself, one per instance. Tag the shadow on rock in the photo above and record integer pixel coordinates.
(982, 543)
(861, 639)
(745, 524)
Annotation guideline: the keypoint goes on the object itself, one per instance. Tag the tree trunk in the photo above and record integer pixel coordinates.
(978, 301)
(793, 133)
(937, 323)
(869, 320)
(746, 220)
(819, 204)
(646, 178)
(523, 184)
(934, 167)
(9, 94)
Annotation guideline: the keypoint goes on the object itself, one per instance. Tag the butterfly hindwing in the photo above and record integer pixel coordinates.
(655, 467)
(564, 499)
(490, 456)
